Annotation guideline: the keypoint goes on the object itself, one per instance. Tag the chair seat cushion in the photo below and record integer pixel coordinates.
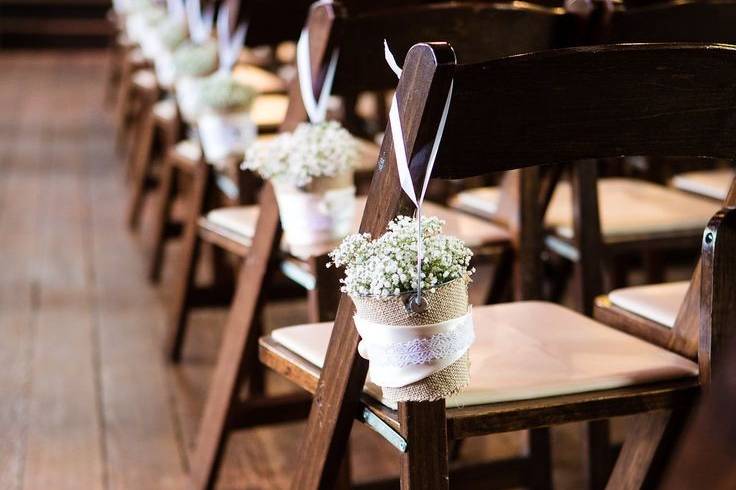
(657, 302)
(528, 350)
(708, 183)
(237, 220)
(145, 79)
(165, 109)
(476, 232)
(189, 150)
(629, 208)
(268, 111)
(263, 81)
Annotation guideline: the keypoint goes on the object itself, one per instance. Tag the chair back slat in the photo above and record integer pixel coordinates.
(689, 21)
(552, 107)
(479, 31)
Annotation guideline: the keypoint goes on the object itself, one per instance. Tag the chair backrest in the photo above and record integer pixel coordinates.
(558, 106)
(478, 30)
(682, 21)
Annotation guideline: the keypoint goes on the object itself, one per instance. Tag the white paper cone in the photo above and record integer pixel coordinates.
(224, 134)
(165, 69)
(315, 218)
(188, 98)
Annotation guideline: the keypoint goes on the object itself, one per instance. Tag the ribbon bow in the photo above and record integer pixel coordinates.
(229, 46)
(416, 303)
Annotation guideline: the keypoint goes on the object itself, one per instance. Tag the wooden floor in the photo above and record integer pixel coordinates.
(86, 400)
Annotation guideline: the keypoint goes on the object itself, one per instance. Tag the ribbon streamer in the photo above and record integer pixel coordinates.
(229, 47)
(316, 107)
(402, 161)
(176, 9)
(200, 23)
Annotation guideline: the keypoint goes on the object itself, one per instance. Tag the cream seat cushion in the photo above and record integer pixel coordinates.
(708, 183)
(261, 80)
(145, 79)
(269, 110)
(241, 220)
(657, 302)
(165, 109)
(189, 149)
(530, 350)
(628, 208)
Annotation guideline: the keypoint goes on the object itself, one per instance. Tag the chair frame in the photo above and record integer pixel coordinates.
(616, 71)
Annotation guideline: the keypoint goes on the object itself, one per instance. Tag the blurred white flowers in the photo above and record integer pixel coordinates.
(387, 266)
(313, 150)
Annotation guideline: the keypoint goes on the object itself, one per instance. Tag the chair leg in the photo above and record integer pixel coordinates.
(182, 296)
(649, 445)
(123, 102)
(161, 219)
(597, 453)
(240, 338)
(424, 465)
(540, 454)
(140, 164)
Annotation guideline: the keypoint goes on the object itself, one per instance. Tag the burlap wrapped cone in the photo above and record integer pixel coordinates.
(447, 302)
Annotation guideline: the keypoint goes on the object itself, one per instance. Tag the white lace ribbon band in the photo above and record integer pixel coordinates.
(401, 355)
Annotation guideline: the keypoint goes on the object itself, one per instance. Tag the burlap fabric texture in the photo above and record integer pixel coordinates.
(447, 302)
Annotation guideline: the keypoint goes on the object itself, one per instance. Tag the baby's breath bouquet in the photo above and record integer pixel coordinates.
(312, 173)
(428, 356)
(193, 62)
(170, 34)
(142, 21)
(225, 126)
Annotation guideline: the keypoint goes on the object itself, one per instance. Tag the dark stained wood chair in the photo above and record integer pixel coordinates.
(660, 313)
(705, 454)
(533, 103)
(480, 31)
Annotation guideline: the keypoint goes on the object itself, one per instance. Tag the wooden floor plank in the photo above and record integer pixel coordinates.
(64, 448)
(19, 213)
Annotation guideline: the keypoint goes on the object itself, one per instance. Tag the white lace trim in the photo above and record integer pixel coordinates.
(424, 350)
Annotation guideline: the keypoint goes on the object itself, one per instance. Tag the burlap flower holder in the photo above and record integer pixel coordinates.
(447, 302)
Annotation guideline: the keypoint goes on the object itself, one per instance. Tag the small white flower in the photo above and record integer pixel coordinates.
(386, 266)
(313, 150)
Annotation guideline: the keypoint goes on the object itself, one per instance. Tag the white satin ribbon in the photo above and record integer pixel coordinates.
(229, 45)
(401, 355)
(200, 23)
(176, 9)
(402, 161)
(316, 108)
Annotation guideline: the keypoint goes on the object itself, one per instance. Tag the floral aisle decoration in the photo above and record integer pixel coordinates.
(414, 355)
(311, 170)
(161, 42)
(141, 19)
(225, 126)
(194, 60)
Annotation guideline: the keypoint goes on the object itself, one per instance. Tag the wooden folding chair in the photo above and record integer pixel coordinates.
(133, 61)
(361, 68)
(666, 220)
(561, 367)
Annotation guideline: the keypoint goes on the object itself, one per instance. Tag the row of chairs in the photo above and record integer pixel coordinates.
(578, 105)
